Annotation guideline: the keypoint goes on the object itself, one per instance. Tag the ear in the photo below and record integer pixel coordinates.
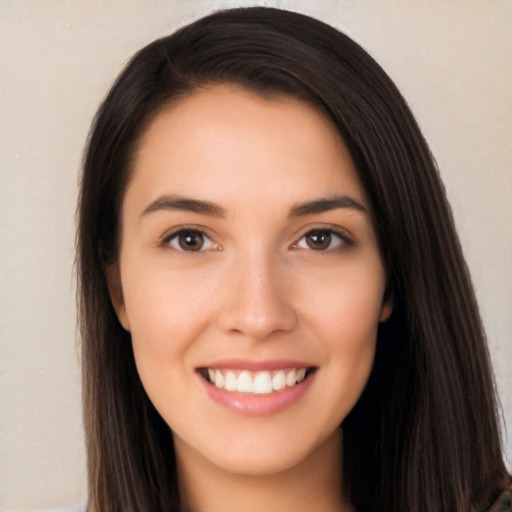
(387, 305)
(115, 290)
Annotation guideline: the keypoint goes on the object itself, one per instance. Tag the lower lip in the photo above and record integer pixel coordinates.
(258, 405)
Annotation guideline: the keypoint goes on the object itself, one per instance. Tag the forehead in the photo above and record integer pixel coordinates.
(221, 104)
(226, 140)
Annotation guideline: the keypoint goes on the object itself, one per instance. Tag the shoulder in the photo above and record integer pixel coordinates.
(504, 502)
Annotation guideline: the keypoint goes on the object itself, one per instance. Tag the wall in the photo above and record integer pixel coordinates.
(451, 59)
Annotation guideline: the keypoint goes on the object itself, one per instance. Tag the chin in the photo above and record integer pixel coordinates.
(260, 455)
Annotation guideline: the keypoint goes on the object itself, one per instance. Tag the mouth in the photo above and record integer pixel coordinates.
(266, 382)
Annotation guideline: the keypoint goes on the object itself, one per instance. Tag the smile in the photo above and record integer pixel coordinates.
(254, 383)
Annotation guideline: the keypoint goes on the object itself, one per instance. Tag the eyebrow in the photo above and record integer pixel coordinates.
(173, 202)
(325, 204)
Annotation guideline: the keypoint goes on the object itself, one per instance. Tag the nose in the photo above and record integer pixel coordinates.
(257, 301)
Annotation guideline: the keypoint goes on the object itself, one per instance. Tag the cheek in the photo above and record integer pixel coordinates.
(346, 321)
(160, 300)
(168, 311)
(348, 305)
(350, 334)
(164, 324)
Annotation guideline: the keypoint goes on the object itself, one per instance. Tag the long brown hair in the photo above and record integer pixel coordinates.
(425, 433)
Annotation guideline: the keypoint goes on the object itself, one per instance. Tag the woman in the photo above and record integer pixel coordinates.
(274, 306)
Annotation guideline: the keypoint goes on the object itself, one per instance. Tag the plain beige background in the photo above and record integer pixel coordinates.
(452, 61)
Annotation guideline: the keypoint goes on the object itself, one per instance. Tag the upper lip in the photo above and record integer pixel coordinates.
(256, 365)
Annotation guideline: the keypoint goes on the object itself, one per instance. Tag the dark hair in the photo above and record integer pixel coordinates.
(425, 433)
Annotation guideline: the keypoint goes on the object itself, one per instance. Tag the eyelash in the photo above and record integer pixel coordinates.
(342, 240)
(174, 237)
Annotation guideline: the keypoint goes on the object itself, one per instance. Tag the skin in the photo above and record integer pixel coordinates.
(254, 291)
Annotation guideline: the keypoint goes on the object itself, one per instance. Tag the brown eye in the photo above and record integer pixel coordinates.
(190, 240)
(323, 240)
(318, 240)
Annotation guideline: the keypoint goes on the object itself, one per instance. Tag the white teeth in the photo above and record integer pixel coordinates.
(291, 378)
(260, 383)
(219, 379)
(263, 383)
(230, 381)
(245, 384)
(279, 381)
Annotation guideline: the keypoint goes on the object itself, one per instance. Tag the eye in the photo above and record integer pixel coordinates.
(322, 240)
(191, 240)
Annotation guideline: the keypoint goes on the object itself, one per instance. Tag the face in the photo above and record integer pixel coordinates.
(251, 279)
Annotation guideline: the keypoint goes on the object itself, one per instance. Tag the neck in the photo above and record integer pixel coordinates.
(314, 484)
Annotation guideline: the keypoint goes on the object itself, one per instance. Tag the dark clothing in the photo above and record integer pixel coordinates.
(504, 502)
